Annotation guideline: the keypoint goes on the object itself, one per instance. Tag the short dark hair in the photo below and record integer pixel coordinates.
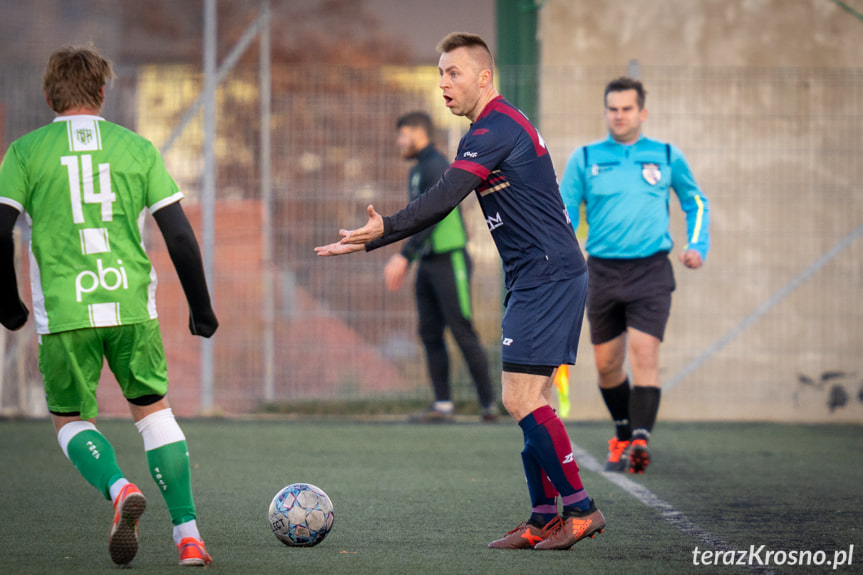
(455, 40)
(623, 84)
(416, 120)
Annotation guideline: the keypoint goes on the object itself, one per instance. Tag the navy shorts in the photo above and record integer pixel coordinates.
(541, 325)
(632, 293)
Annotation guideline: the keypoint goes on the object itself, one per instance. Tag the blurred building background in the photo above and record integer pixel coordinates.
(764, 97)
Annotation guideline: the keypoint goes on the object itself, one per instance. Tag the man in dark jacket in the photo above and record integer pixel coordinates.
(443, 279)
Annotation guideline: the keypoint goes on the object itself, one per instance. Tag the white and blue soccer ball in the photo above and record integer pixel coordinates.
(301, 515)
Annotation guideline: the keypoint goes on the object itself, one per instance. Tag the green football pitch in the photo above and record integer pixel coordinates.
(427, 499)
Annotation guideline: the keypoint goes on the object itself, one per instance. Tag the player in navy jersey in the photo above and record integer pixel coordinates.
(504, 159)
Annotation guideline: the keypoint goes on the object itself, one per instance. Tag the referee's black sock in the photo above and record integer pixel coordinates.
(617, 401)
(643, 407)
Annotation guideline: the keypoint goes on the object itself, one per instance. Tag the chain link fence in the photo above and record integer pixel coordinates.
(770, 327)
(776, 152)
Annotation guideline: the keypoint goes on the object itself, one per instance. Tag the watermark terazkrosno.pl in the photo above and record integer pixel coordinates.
(760, 555)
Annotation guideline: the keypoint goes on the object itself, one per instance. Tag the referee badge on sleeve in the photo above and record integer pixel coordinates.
(651, 173)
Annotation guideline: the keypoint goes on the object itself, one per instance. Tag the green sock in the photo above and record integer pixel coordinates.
(94, 456)
(169, 466)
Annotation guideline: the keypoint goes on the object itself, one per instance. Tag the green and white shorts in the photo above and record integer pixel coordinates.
(71, 364)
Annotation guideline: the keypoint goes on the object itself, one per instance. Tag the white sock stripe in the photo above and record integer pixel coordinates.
(70, 430)
(158, 429)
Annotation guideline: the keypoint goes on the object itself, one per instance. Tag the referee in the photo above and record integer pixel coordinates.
(624, 182)
(443, 279)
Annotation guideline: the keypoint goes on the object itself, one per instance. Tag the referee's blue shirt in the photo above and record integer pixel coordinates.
(625, 190)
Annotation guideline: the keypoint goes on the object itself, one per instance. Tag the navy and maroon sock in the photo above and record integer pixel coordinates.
(543, 495)
(547, 443)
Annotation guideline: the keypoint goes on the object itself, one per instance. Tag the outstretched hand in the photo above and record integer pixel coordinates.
(355, 240)
(338, 249)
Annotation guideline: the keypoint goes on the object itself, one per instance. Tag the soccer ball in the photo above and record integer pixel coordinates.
(301, 515)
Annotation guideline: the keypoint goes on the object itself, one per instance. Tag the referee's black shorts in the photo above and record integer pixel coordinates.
(626, 293)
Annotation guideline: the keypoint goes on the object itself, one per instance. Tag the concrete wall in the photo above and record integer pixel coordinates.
(701, 33)
(765, 98)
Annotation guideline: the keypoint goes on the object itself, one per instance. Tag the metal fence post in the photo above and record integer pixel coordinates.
(208, 191)
(268, 306)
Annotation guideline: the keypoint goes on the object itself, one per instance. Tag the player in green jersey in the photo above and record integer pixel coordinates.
(85, 185)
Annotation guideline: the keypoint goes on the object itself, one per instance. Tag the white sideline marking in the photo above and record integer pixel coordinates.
(665, 509)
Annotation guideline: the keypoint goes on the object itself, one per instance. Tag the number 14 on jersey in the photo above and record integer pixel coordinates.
(81, 172)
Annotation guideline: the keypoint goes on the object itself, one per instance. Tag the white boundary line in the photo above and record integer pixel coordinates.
(666, 510)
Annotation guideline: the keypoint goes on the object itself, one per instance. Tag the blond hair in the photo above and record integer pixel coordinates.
(473, 42)
(74, 78)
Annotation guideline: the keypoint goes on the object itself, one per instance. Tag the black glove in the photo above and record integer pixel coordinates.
(13, 312)
(14, 317)
(204, 324)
